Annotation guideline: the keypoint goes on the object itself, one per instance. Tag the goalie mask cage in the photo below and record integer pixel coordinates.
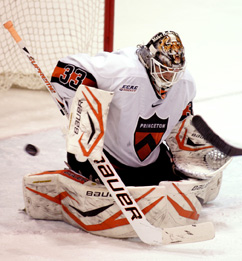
(52, 29)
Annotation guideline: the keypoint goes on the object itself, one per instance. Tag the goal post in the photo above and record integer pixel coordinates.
(52, 29)
(108, 25)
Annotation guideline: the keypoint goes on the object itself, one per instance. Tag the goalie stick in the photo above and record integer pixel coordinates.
(145, 231)
(9, 26)
(209, 135)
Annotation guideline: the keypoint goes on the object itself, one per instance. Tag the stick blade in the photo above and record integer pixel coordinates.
(188, 234)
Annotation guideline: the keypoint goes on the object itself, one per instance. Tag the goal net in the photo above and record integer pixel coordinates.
(52, 29)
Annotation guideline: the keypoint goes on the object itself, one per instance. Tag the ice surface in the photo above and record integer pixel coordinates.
(211, 32)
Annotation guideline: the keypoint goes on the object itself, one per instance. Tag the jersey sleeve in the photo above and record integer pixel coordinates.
(71, 76)
(66, 78)
(187, 111)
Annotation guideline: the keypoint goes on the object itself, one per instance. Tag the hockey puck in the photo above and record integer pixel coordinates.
(31, 150)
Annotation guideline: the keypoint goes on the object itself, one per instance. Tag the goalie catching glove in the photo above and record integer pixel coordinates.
(87, 122)
(192, 154)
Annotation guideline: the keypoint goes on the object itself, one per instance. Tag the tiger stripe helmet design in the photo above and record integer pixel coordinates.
(164, 59)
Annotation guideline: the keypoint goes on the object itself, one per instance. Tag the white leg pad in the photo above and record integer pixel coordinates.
(65, 195)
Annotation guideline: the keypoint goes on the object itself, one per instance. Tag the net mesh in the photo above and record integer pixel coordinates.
(51, 29)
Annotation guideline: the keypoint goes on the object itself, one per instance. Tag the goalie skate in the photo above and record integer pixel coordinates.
(65, 195)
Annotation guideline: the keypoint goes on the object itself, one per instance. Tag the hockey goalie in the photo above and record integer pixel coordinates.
(135, 107)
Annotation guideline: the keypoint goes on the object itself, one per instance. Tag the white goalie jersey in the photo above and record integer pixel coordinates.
(138, 121)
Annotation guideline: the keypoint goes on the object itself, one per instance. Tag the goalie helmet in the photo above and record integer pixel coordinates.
(164, 60)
